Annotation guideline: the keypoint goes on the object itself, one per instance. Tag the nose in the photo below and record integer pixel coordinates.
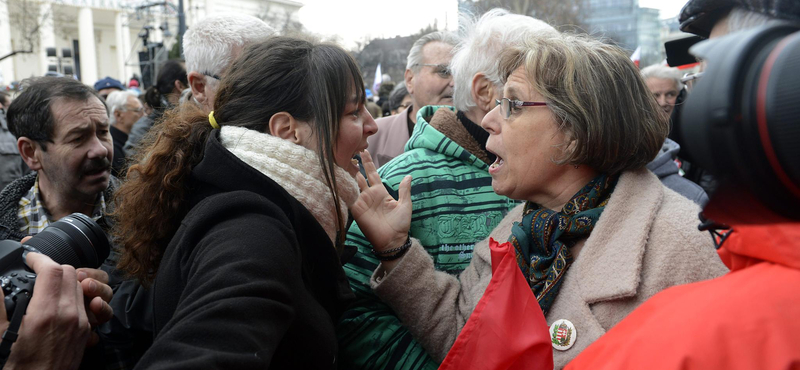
(370, 126)
(491, 122)
(98, 149)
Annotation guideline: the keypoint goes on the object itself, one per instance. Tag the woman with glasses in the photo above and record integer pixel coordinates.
(597, 235)
(237, 217)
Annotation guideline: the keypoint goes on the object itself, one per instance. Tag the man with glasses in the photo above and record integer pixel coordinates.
(428, 81)
(124, 110)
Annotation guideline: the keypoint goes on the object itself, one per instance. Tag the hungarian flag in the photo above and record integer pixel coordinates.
(637, 56)
(507, 330)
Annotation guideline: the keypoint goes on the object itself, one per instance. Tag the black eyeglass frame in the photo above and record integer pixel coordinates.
(442, 70)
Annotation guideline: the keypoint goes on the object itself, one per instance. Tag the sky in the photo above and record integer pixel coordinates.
(351, 21)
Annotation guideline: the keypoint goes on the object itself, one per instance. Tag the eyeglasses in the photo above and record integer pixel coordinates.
(209, 74)
(507, 105)
(137, 110)
(441, 70)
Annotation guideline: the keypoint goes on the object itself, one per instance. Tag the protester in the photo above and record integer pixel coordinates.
(399, 99)
(159, 97)
(61, 128)
(246, 273)
(106, 86)
(665, 84)
(12, 166)
(124, 110)
(454, 205)
(428, 81)
(598, 234)
(210, 47)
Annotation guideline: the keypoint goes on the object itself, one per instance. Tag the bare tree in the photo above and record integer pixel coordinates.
(282, 21)
(26, 17)
(558, 13)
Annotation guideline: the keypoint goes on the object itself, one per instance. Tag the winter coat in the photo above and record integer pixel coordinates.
(454, 207)
(666, 169)
(645, 241)
(250, 280)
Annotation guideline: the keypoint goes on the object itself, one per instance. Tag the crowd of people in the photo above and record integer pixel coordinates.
(264, 212)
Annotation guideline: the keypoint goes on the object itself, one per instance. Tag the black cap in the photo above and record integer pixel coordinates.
(700, 16)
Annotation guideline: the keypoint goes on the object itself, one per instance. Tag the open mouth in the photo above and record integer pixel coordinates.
(498, 163)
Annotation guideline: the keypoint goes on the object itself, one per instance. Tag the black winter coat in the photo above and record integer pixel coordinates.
(249, 281)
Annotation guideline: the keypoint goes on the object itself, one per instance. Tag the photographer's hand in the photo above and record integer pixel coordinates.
(55, 330)
(97, 294)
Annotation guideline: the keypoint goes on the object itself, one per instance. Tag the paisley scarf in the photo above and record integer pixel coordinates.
(543, 238)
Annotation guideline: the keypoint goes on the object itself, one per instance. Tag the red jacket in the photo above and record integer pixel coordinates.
(746, 319)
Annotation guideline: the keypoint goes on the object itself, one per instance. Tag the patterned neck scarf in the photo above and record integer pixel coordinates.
(543, 238)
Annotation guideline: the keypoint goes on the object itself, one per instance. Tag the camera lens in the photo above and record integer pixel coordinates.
(74, 240)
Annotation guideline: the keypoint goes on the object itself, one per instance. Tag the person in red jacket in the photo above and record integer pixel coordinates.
(750, 317)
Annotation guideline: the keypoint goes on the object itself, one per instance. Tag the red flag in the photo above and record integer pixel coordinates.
(507, 330)
(637, 56)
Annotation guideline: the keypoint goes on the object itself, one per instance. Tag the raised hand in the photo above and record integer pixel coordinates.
(383, 220)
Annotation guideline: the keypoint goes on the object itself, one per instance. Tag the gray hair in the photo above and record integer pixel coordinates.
(482, 42)
(740, 19)
(415, 54)
(396, 97)
(116, 101)
(663, 72)
(210, 44)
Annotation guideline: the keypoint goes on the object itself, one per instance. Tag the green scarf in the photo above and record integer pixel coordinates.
(543, 238)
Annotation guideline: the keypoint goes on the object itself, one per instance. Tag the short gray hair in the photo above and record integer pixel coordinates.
(208, 46)
(415, 54)
(740, 19)
(482, 42)
(116, 101)
(663, 72)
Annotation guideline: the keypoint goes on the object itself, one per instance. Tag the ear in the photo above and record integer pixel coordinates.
(117, 115)
(180, 86)
(30, 152)
(483, 92)
(285, 126)
(409, 78)
(198, 84)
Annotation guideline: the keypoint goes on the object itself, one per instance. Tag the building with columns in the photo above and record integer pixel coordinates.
(93, 39)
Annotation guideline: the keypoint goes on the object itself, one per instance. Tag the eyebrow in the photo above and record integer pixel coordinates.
(512, 92)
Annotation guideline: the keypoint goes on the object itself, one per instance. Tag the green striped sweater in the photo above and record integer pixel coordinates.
(454, 207)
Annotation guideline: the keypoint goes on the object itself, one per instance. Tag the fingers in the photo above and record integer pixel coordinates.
(95, 274)
(99, 311)
(25, 239)
(405, 192)
(362, 182)
(369, 168)
(93, 288)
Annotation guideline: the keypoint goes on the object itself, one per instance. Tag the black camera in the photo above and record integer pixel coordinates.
(742, 119)
(74, 240)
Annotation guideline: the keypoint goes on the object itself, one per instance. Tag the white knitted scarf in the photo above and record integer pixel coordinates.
(296, 169)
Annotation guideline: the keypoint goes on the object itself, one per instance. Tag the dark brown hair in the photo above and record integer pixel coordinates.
(599, 97)
(311, 81)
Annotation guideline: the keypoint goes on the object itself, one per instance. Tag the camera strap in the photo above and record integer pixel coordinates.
(11, 333)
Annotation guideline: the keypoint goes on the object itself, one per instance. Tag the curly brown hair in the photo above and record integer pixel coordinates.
(311, 81)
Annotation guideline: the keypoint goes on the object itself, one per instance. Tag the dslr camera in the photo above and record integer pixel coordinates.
(74, 240)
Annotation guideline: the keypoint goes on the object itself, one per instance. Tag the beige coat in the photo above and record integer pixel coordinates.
(391, 138)
(645, 241)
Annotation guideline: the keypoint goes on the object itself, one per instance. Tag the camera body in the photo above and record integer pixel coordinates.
(16, 279)
(74, 240)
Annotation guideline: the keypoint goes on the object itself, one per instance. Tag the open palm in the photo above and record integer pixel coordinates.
(383, 220)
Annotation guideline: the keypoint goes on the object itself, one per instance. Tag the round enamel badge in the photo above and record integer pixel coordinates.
(563, 334)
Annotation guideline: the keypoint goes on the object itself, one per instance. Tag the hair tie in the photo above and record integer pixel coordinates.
(212, 120)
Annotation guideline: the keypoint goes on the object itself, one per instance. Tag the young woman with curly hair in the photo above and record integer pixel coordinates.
(237, 217)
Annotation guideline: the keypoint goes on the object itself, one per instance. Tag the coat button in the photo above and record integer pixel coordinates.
(563, 334)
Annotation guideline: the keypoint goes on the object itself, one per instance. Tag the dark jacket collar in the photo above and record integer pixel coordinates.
(9, 204)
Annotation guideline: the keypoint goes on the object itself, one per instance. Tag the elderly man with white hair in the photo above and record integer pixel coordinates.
(124, 109)
(454, 204)
(211, 45)
(665, 85)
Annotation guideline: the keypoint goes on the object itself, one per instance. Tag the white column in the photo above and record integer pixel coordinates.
(121, 49)
(87, 40)
(47, 36)
(131, 56)
(6, 65)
